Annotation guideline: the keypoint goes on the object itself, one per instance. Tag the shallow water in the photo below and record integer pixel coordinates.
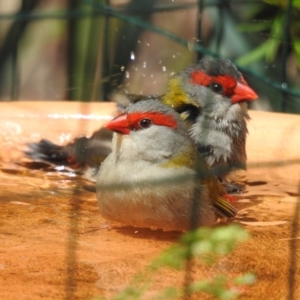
(51, 242)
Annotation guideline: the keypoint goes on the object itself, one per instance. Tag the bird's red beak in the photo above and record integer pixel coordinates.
(119, 124)
(242, 92)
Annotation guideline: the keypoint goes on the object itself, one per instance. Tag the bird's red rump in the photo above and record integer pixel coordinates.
(229, 198)
(157, 118)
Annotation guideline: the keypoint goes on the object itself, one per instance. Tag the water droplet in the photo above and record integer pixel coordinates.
(64, 137)
(284, 85)
(191, 45)
(132, 56)
(143, 75)
(127, 75)
(144, 64)
(151, 75)
(174, 56)
(164, 69)
(139, 41)
(122, 68)
(154, 82)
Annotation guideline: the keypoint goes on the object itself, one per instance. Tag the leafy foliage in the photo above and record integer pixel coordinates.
(269, 21)
(204, 244)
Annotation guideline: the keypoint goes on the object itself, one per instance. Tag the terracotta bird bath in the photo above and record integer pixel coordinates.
(51, 248)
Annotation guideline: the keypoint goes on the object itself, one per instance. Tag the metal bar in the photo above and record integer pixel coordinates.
(285, 53)
(199, 27)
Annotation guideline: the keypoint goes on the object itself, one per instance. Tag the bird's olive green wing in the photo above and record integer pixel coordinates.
(224, 208)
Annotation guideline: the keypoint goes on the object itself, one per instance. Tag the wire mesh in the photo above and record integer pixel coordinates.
(138, 15)
(97, 61)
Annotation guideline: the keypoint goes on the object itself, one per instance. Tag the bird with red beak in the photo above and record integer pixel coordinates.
(212, 96)
(154, 177)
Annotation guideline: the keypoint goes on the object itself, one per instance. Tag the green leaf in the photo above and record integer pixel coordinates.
(216, 287)
(296, 47)
(296, 3)
(268, 49)
(275, 39)
(275, 2)
(168, 293)
(283, 3)
(203, 242)
(175, 258)
(253, 27)
(248, 278)
(254, 55)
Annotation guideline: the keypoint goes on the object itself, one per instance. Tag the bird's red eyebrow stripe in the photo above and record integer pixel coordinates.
(226, 81)
(155, 117)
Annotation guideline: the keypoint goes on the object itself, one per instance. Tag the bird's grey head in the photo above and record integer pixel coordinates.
(217, 86)
(152, 130)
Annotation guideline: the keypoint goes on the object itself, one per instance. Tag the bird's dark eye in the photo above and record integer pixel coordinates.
(145, 123)
(216, 87)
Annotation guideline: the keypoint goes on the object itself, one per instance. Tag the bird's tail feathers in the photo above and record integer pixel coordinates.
(45, 150)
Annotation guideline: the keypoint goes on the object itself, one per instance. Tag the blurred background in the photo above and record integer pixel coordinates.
(85, 49)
